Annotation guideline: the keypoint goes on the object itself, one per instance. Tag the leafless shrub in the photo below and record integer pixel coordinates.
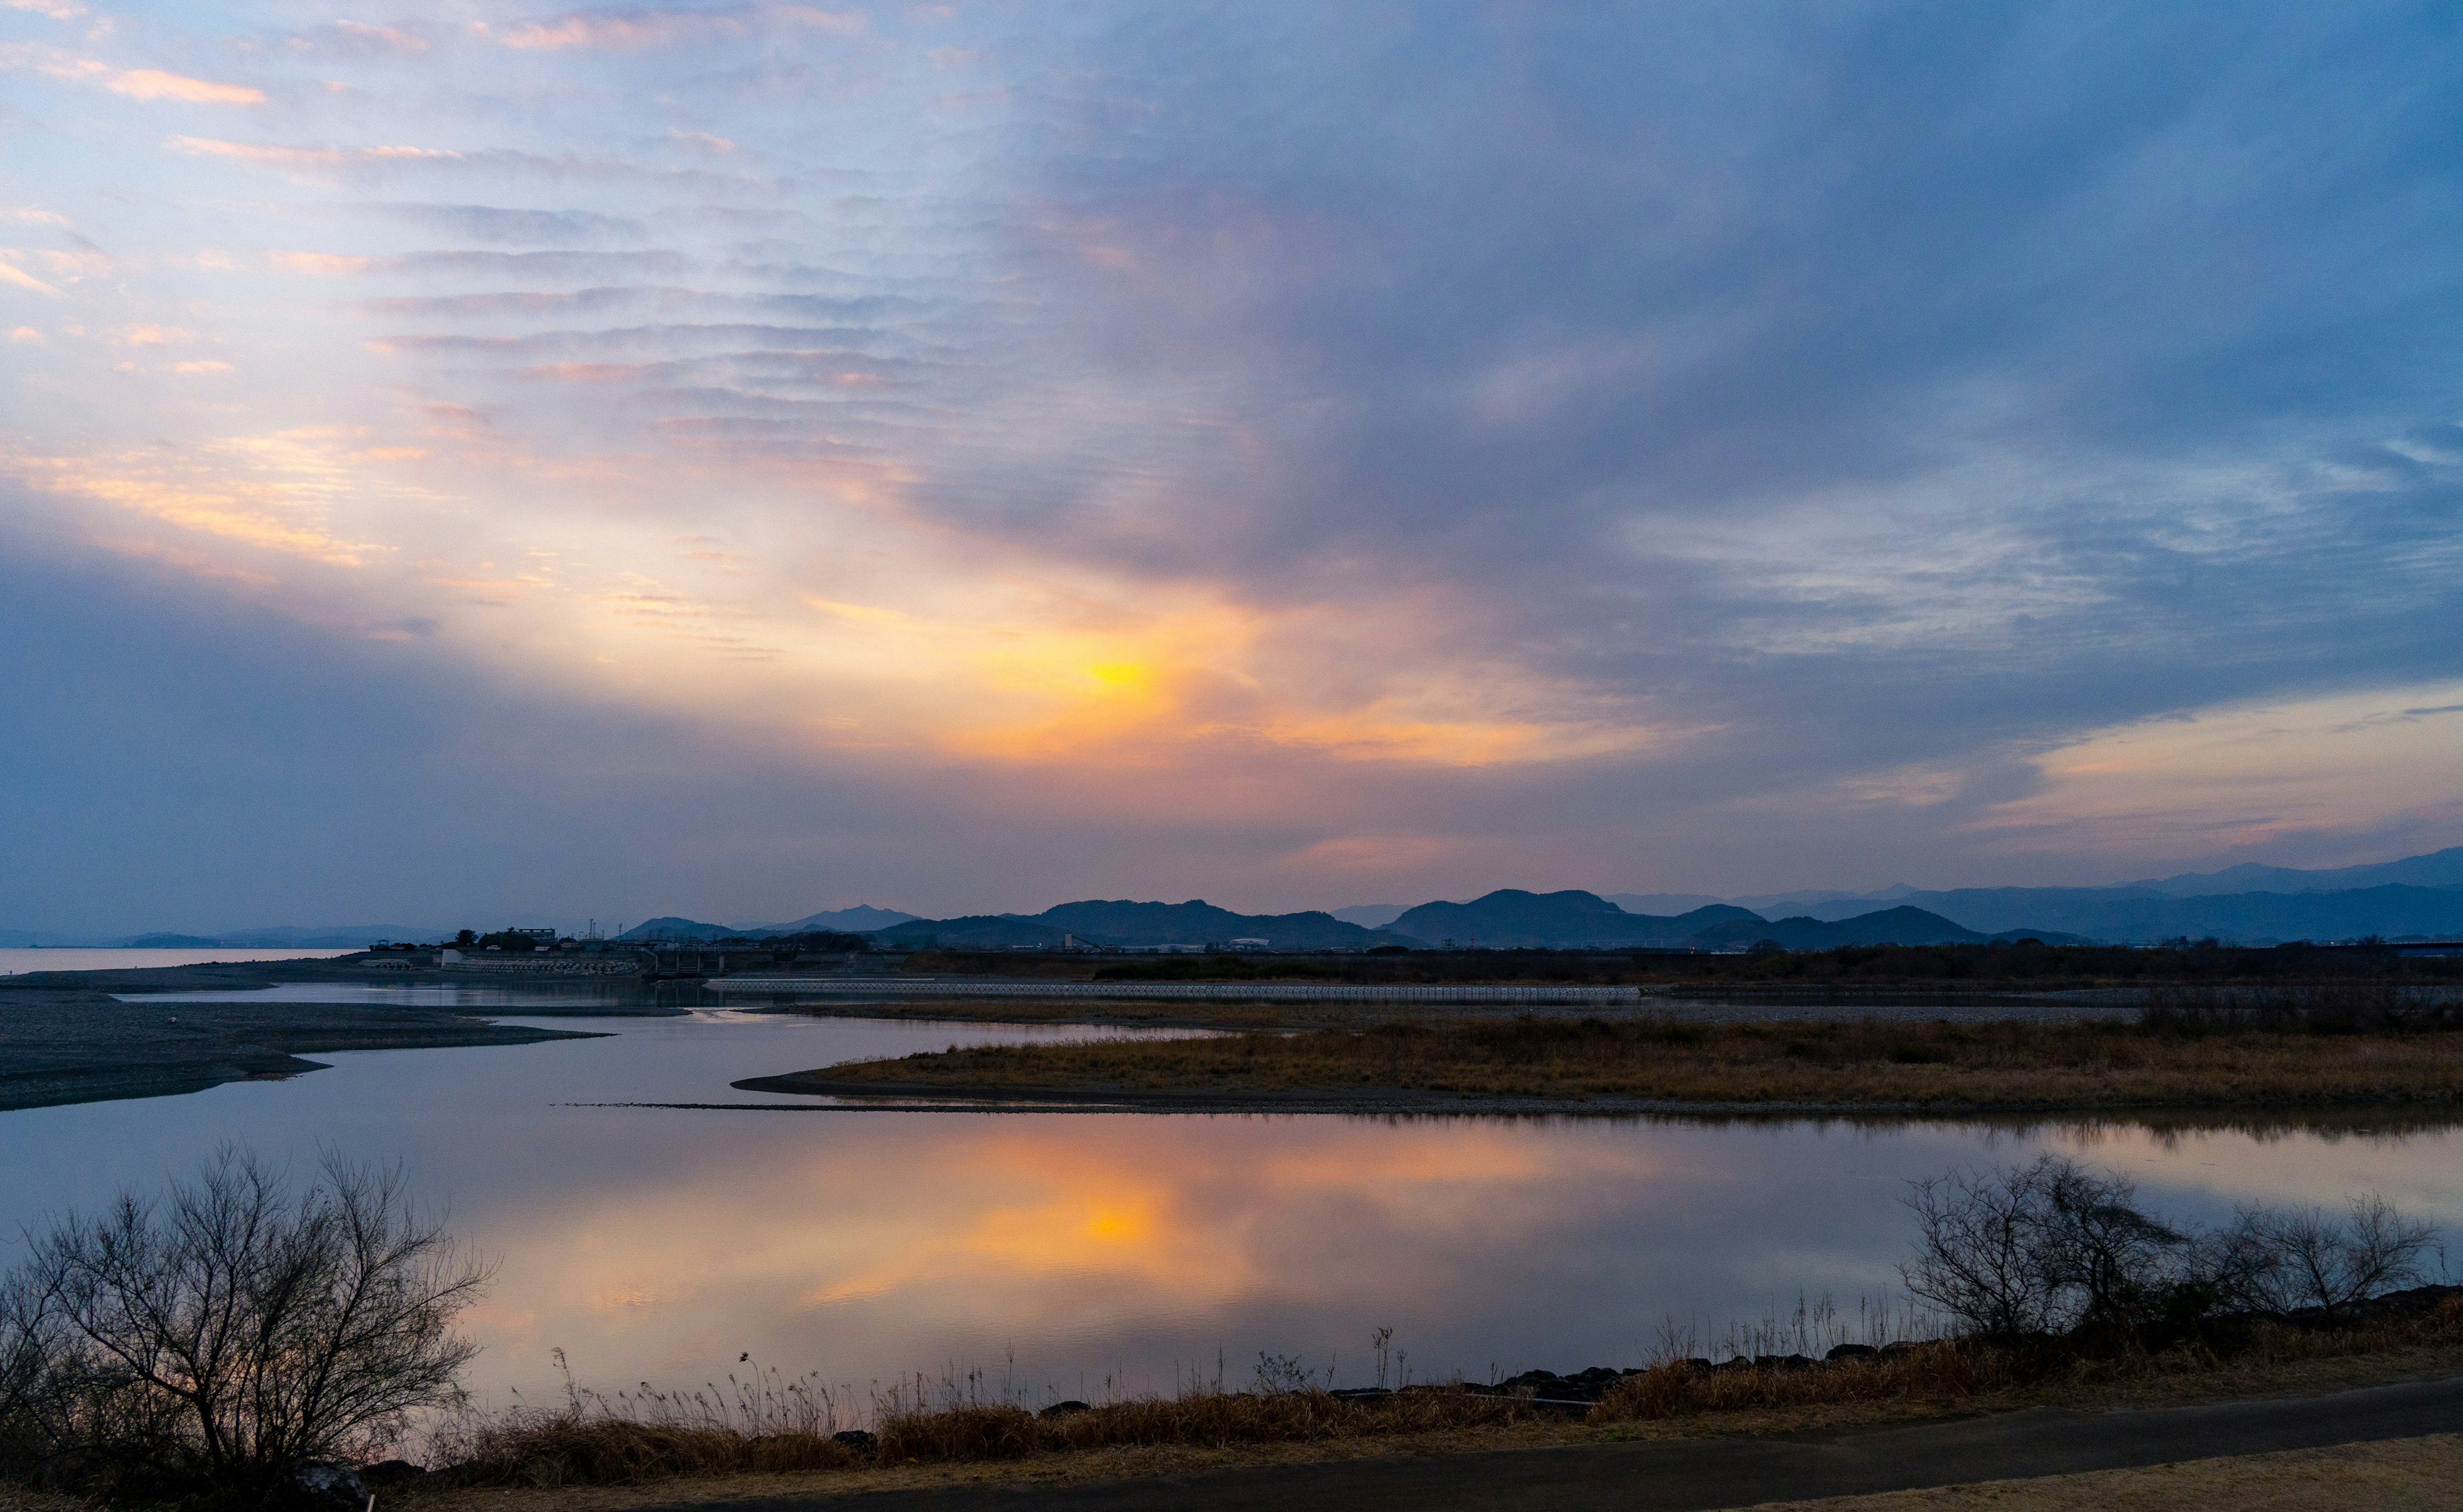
(2058, 1248)
(1981, 1253)
(225, 1335)
(2288, 1261)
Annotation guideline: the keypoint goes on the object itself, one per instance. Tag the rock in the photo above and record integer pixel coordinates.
(1360, 1394)
(391, 1472)
(1065, 1409)
(855, 1440)
(1852, 1351)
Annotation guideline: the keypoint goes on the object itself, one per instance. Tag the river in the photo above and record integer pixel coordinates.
(1078, 1254)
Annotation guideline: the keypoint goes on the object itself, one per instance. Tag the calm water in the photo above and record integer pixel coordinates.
(659, 1244)
(51, 959)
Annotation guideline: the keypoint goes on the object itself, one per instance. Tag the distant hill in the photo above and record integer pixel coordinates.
(858, 920)
(2258, 905)
(1372, 915)
(2255, 918)
(1201, 924)
(1511, 918)
(669, 927)
(1122, 922)
(2436, 869)
(972, 932)
(2137, 914)
(1888, 926)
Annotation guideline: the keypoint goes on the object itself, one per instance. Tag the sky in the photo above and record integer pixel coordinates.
(739, 460)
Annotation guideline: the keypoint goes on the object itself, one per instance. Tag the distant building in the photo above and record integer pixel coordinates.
(1249, 945)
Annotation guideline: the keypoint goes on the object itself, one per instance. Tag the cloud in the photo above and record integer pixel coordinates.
(267, 493)
(297, 156)
(320, 264)
(10, 273)
(1499, 441)
(640, 29)
(494, 224)
(141, 83)
(149, 83)
(359, 38)
(544, 264)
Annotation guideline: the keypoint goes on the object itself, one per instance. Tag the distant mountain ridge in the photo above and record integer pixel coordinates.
(2442, 869)
(1511, 918)
(2419, 895)
(1122, 922)
(2415, 896)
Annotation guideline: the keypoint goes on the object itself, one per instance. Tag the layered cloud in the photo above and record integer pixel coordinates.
(1416, 450)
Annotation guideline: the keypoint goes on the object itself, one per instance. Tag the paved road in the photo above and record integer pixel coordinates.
(1698, 1474)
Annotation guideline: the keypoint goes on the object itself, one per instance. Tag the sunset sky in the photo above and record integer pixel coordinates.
(462, 463)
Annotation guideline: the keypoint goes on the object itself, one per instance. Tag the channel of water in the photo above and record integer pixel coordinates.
(1077, 1253)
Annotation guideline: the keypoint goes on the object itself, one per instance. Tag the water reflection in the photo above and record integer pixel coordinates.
(658, 1244)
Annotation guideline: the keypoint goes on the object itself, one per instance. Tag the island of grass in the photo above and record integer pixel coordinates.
(1643, 1065)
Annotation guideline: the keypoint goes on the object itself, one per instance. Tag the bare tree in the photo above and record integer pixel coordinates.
(2310, 1258)
(1980, 1255)
(2115, 1264)
(2056, 1247)
(236, 1328)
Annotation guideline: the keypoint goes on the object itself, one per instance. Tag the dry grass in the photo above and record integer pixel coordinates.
(2148, 1388)
(958, 1439)
(1975, 1066)
(1195, 1419)
(572, 1450)
(2402, 1475)
(1971, 1374)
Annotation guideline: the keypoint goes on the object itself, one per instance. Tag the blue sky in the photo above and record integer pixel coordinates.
(747, 459)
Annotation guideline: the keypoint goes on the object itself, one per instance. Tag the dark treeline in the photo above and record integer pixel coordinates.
(1949, 967)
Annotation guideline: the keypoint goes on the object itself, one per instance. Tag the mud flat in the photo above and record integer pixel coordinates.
(67, 1037)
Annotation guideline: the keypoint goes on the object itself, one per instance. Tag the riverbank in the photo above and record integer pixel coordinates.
(1645, 1065)
(68, 1037)
(1335, 1453)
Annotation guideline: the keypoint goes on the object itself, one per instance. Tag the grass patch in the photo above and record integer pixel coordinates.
(955, 1426)
(1967, 1067)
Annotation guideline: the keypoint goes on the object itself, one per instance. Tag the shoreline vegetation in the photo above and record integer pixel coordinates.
(2324, 1054)
(966, 1432)
(242, 1342)
(66, 1038)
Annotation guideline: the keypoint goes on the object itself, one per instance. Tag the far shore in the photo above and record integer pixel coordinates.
(1645, 1067)
(67, 1037)
(1923, 1049)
